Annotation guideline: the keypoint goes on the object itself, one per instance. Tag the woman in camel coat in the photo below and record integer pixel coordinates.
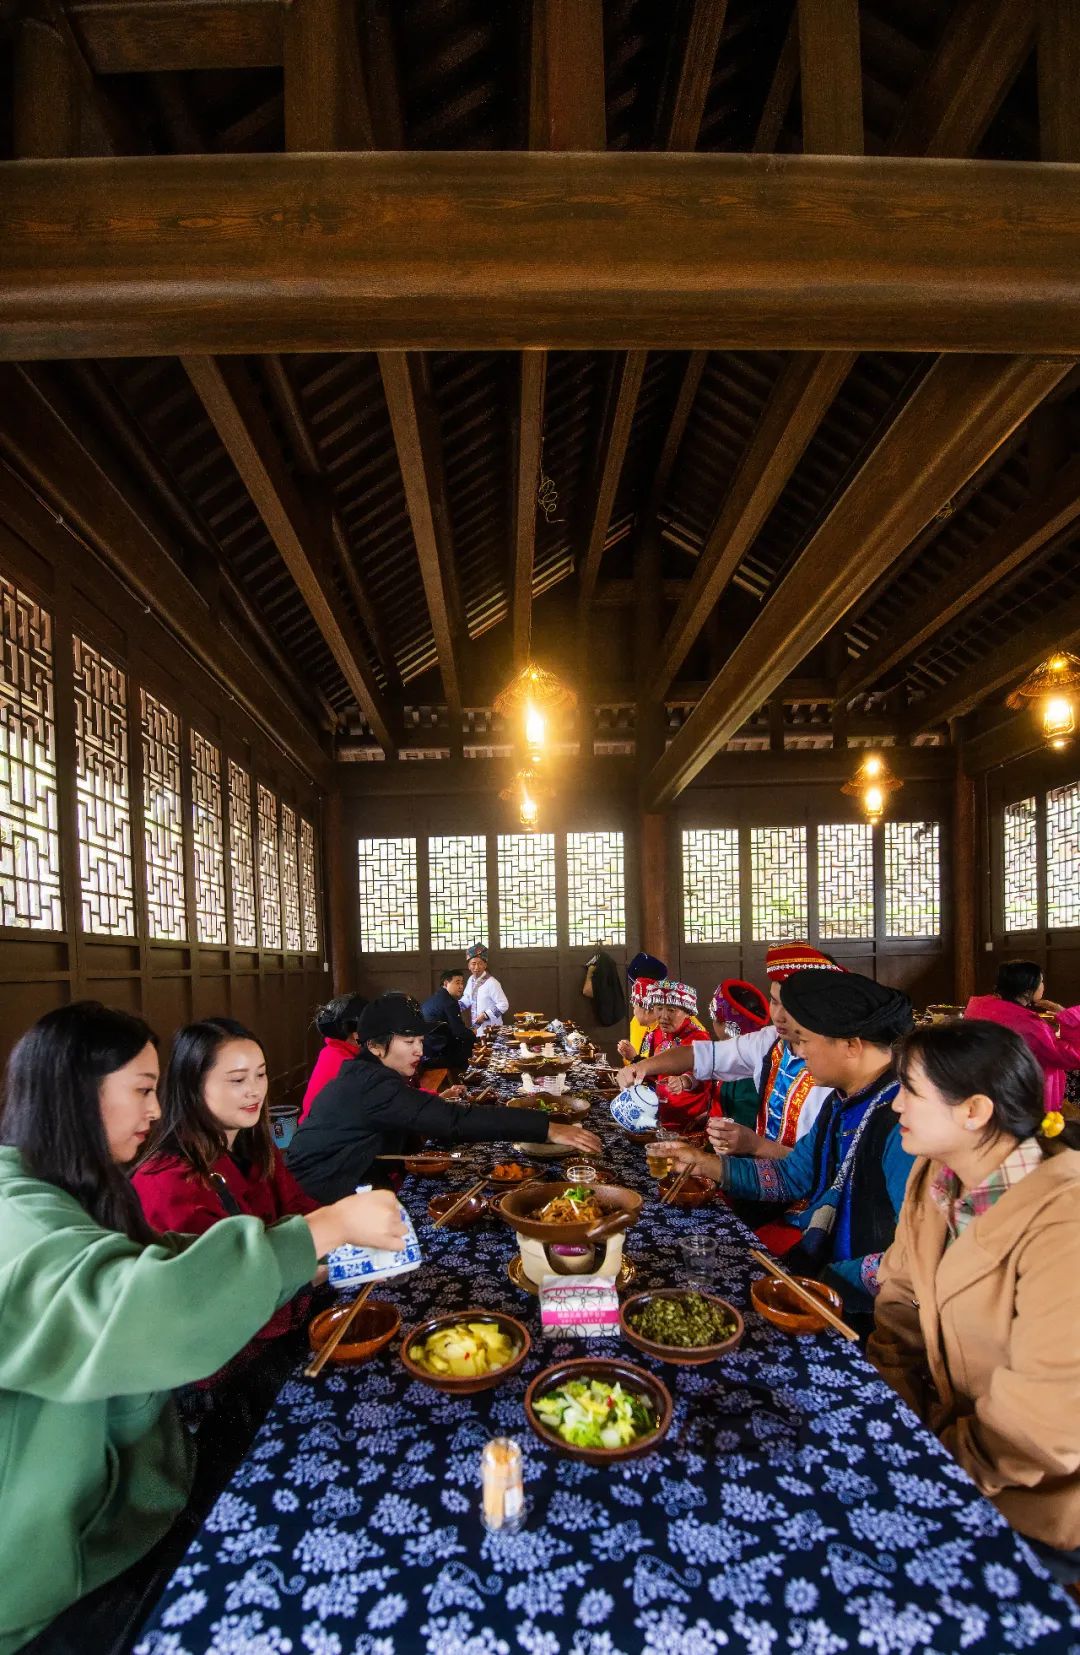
(979, 1305)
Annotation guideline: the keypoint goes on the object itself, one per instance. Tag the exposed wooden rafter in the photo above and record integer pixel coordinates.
(979, 56)
(326, 100)
(137, 36)
(233, 407)
(960, 413)
(781, 91)
(1058, 49)
(830, 77)
(1004, 552)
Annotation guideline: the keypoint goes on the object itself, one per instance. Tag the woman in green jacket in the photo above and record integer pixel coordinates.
(100, 1318)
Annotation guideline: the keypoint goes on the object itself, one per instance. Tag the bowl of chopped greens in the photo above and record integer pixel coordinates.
(599, 1409)
(681, 1326)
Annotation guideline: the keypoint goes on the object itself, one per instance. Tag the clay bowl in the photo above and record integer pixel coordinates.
(511, 1183)
(516, 1208)
(535, 1037)
(688, 1356)
(694, 1191)
(609, 1370)
(771, 1299)
(483, 1382)
(639, 1137)
(526, 1018)
(430, 1165)
(559, 1106)
(539, 1066)
(375, 1325)
(471, 1213)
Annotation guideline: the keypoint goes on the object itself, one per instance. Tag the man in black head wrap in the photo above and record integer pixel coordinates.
(848, 1174)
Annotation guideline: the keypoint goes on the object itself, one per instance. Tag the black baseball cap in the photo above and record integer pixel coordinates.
(393, 1014)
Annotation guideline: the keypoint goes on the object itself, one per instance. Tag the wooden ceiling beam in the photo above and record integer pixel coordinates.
(528, 434)
(45, 448)
(187, 254)
(413, 420)
(959, 414)
(137, 36)
(626, 384)
(682, 105)
(326, 99)
(830, 67)
(232, 404)
(781, 91)
(1004, 552)
(1058, 53)
(1060, 629)
(979, 56)
(802, 396)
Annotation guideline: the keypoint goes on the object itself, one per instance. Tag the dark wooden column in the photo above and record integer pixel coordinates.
(656, 928)
(657, 933)
(339, 893)
(965, 880)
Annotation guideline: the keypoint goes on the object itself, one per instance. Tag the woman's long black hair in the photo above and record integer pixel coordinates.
(1017, 980)
(52, 1108)
(967, 1057)
(187, 1127)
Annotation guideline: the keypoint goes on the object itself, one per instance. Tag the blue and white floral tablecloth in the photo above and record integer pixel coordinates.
(796, 1506)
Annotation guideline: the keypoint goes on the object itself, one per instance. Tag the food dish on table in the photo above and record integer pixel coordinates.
(694, 1190)
(773, 1300)
(509, 1172)
(428, 1164)
(520, 1208)
(465, 1351)
(600, 1410)
(468, 1214)
(556, 1104)
(372, 1330)
(682, 1327)
(576, 1205)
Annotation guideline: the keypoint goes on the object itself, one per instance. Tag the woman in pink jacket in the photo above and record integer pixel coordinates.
(337, 1022)
(1051, 1031)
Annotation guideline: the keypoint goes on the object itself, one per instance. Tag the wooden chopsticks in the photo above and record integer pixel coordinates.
(315, 1367)
(809, 1299)
(457, 1206)
(673, 1189)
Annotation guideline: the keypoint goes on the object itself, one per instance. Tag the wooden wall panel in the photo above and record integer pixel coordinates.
(1057, 951)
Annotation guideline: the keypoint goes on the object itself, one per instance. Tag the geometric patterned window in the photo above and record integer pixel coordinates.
(290, 880)
(527, 890)
(457, 874)
(163, 820)
(308, 887)
(241, 859)
(778, 883)
(710, 880)
(594, 865)
(103, 794)
(389, 918)
(29, 808)
(912, 879)
(845, 879)
(266, 815)
(208, 837)
(1020, 859)
(1063, 856)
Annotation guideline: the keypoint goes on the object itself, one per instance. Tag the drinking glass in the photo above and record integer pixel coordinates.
(699, 1257)
(658, 1153)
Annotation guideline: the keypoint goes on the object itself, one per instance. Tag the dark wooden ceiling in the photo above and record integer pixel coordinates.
(407, 471)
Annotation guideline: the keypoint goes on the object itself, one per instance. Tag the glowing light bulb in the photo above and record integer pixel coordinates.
(529, 811)
(535, 726)
(874, 801)
(873, 766)
(1059, 719)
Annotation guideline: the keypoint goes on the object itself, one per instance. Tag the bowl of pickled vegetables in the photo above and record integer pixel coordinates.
(681, 1325)
(465, 1351)
(599, 1409)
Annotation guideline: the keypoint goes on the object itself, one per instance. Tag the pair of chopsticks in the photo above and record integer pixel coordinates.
(673, 1189)
(811, 1300)
(457, 1206)
(419, 1154)
(315, 1367)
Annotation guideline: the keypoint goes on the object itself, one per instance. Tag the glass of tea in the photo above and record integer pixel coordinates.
(658, 1153)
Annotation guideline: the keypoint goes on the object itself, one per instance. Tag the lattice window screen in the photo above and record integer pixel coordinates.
(457, 875)
(266, 817)
(103, 794)
(710, 883)
(596, 877)
(845, 879)
(290, 879)
(30, 891)
(163, 821)
(1063, 856)
(389, 913)
(309, 890)
(1020, 866)
(208, 840)
(527, 890)
(778, 882)
(912, 879)
(241, 859)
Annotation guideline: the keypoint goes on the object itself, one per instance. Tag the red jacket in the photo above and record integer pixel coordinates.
(174, 1197)
(682, 1111)
(333, 1057)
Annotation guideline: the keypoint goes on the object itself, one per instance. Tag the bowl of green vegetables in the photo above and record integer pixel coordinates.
(599, 1409)
(681, 1325)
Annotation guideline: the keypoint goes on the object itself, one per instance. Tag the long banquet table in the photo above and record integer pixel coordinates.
(796, 1504)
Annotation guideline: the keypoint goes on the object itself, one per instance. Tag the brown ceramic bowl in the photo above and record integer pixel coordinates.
(639, 1137)
(428, 1165)
(512, 1182)
(562, 1108)
(375, 1325)
(518, 1207)
(694, 1191)
(771, 1299)
(474, 1209)
(609, 1370)
(681, 1355)
(483, 1382)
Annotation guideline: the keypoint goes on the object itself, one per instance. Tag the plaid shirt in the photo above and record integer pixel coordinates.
(960, 1210)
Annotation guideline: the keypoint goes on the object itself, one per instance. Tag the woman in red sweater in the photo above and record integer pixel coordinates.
(213, 1155)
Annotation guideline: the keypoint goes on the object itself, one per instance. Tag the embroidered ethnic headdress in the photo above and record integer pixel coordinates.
(784, 958)
(741, 1004)
(670, 993)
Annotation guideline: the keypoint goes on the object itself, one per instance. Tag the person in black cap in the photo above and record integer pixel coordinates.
(450, 1041)
(372, 1109)
(848, 1174)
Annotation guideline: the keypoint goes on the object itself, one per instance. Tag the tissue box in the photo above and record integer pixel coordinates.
(579, 1307)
